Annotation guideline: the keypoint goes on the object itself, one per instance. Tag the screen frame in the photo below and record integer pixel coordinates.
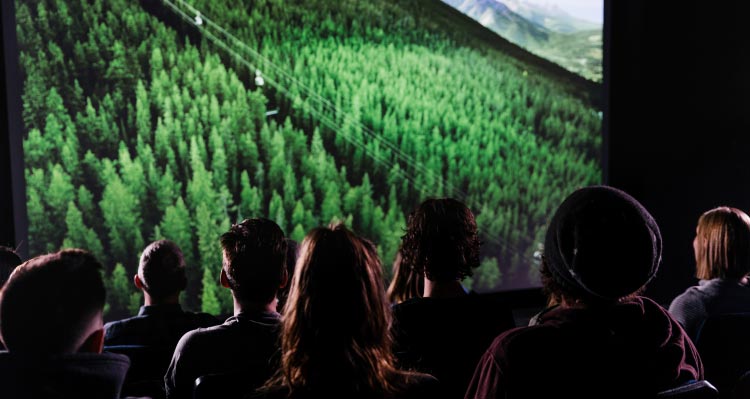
(13, 214)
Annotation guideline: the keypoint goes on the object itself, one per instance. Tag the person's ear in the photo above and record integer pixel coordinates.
(137, 281)
(94, 343)
(224, 279)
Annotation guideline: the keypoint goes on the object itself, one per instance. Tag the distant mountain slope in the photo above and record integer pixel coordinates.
(547, 31)
(549, 16)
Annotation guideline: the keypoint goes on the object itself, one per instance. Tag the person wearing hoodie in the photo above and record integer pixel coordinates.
(51, 322)
(601, 339)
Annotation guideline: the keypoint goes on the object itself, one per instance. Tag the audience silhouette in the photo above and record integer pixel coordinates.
(254, 269)
(602, 340)
(161, 321)
(716, 312)
(445, 330)
(722, 258)
(51, 322)
(335, 339)
(340, 334)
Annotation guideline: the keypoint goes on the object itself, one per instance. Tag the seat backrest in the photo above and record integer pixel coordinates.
(724, 346)
(701, 389)
(742, 387)
(148, 364)
(224, 385)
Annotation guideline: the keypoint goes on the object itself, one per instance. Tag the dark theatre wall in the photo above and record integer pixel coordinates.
(678, 119)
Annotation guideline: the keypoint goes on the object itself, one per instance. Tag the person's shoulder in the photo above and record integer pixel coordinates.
(122, 322)
(412, 310)
(118, 328)
(202, 319)
(691, 298)
(202, 335)
(417, 385)
(523, 339)
(409, 304)
(275, 392)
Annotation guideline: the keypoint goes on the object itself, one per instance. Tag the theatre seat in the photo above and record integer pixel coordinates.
(724, 347)
(225, 385)
(148, 364)
(693, 390)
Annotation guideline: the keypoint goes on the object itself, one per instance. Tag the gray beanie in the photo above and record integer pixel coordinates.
(603, 243)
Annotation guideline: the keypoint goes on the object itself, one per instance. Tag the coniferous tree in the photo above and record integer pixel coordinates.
(119, 209)
(119, 292)
(209, 301)
(80, 236)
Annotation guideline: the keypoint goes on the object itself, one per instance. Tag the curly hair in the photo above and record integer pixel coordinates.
(441, 240)
(405, 284)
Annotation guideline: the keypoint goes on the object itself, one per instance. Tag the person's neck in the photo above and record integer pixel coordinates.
(443, 289)
(148, 300)
(254, 306)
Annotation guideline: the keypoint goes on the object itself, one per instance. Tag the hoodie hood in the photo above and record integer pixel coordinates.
(626, 349)
(640, 332)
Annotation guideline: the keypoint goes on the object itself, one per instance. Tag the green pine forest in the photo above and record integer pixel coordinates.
(137, 127)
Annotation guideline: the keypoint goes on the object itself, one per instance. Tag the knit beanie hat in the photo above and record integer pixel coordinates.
(603, 243)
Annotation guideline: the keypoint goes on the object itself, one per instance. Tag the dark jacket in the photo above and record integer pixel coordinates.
(78, 375)
(630, 350)
(446, 337)
(156, 325)
(413, 386)
(244, 343)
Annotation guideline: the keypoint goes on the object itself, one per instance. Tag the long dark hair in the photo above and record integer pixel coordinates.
(336, 323)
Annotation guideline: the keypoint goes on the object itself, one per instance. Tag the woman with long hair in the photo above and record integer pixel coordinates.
(335, 337)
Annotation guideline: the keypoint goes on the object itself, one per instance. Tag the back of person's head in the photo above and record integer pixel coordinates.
(9, 259)
(722, 244)
(254, 259)
(335, 328)
(53, 304)
(161, 270)
(601, 245)
(441, 240)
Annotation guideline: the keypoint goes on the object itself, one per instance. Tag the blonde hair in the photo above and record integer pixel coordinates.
(722, 244)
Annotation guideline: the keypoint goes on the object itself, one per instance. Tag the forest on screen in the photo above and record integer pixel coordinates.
(135, 130)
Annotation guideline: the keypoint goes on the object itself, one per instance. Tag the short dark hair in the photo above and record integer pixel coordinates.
(254, 259)
(441, 240)
(9, 259)
(49, 301)
(162, 269)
